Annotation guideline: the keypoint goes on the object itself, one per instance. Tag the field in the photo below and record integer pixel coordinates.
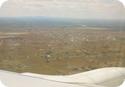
(61, 51)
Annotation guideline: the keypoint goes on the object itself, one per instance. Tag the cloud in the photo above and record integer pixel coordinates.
(107, 9)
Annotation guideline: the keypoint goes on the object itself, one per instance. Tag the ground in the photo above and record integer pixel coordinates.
(61, 51)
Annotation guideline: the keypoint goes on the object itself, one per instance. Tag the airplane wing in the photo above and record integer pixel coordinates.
(105, 77)
(111, 77)
(10, 79)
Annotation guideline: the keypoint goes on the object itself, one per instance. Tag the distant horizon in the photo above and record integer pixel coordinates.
(52, 22)
(67, 18)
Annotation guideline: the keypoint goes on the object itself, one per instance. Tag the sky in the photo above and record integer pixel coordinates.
(82, 9)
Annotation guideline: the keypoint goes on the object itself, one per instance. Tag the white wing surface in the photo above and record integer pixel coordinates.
(10, 79)
(111, 77)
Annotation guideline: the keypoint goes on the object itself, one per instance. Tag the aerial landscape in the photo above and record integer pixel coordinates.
(62, 43)
(61, 37)
(62, 49)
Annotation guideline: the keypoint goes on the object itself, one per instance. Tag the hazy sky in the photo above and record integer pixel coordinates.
(97, 9)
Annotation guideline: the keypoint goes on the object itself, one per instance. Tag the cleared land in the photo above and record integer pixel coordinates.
(61, 51)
